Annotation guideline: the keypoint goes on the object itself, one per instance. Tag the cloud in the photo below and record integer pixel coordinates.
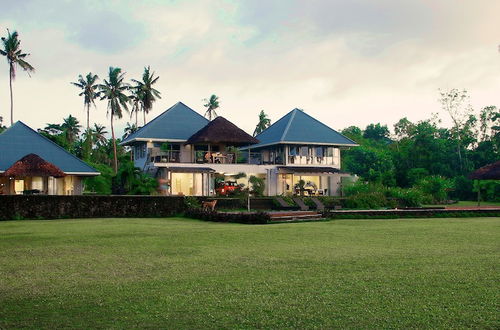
(345, 62)
(90, 24)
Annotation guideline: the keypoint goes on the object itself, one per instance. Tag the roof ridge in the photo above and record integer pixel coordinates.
(52, 142)
(320, 122)
(132, 136)
(285, 131)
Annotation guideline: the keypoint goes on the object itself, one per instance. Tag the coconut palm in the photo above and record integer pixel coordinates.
(146, 92)
(129, 129)
(135, 101)
(89, 92)
(15, 56)
(2, 128)
(71, 128)
(99, 132)
(114, 90)
(263, 123)
(211, 104)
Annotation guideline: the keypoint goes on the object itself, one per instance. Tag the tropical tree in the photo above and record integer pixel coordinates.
(264, 122)
(147, 94)
(2, 127)
(71, 128)
(135, 101)
(90, 92)
(12, 51)
(456, 104)
(113, 90)
(129, 129)
(99, 132)
(211, 104)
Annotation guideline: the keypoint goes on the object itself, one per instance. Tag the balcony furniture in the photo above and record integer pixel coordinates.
(219, 158)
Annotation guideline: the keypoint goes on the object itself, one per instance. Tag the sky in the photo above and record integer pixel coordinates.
(344, 62)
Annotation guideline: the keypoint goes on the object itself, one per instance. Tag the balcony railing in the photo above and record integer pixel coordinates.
(203, 157)
(310, 160)
(166, 157)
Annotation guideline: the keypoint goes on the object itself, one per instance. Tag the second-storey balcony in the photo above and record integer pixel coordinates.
(166, 157)
(228, 157)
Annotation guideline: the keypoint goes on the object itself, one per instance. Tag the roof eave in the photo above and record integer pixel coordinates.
(304, 143)
(124, 143)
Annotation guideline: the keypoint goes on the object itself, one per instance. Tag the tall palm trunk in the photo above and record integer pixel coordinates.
(144, 114)
(115, 162)
(88, 116)
(136, 121)
(11, 97)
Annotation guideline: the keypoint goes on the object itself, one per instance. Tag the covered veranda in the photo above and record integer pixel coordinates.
(33, 175)
(308, 181)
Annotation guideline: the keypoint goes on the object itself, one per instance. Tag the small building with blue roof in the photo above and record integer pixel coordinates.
(20, 140)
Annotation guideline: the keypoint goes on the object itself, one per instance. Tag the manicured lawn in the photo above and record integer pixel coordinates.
(181, 273)
(468, 203)
(474, 203)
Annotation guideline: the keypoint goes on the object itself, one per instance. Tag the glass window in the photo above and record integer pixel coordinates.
(304, 151)
(319, 151)
(294, 151)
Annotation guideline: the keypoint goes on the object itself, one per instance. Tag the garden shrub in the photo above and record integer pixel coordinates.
(368, 200)
(191, 202)
(258, 185)
(435, 186)
(406, 197)
(490, 190)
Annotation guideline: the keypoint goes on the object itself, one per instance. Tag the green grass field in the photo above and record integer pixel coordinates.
(181, 273)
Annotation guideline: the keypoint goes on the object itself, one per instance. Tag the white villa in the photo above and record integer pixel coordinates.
(188, 154)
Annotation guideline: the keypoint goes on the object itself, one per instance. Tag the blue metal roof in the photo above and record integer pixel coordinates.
(297, 127)
(178, 122)
(20, 140)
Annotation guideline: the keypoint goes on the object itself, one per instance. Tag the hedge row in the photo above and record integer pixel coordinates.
(55, 207)
(236, 217)
(233, 203)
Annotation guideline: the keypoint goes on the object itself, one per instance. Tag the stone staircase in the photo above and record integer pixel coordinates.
(285, 216)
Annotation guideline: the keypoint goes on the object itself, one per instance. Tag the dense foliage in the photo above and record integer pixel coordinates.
(426, 156)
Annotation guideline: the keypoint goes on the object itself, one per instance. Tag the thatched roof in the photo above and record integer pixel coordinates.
(221, 130)
(33, 165)
(488, 172)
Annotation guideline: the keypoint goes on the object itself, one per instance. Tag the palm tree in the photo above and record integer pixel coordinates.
(15, 56)
(211, 105)
(89, 91)
(263, 123)
(99, 132)
(71, 128)
(135, 100)
(114, 90)
(2, 128)
(53, 129)
(146, 93)
(129, 129)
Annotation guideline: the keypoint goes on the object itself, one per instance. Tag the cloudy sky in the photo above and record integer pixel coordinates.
(345, 62)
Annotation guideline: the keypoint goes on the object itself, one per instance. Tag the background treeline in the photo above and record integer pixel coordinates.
(426, 156)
